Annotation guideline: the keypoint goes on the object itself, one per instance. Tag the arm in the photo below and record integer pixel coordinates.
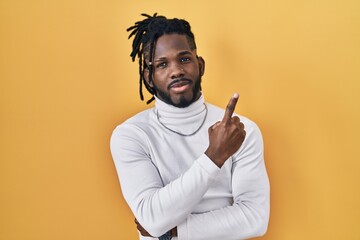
(158, 208)
(249, 214)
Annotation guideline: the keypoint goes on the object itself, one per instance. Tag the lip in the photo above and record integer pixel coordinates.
(179, 83)
(180, 88)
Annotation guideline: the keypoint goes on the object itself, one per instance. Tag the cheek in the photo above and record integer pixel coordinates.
(159, 80)
(198, 71)
(158, 77)
(193, 69)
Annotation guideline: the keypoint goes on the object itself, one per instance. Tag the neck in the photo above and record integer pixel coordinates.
(185, 121)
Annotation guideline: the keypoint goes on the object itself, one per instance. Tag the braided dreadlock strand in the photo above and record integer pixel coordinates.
(145, 33)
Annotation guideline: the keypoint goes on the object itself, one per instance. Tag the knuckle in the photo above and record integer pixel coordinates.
(236, 119)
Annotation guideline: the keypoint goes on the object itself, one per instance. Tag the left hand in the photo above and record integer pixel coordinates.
(226, 136)
(142, 230)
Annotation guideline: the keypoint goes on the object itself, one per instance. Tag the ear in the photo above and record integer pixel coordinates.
(201, 65)
(146, 77)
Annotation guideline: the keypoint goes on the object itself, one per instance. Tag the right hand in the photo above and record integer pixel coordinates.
(225, 136)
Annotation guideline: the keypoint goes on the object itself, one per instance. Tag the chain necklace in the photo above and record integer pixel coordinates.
(182, 134)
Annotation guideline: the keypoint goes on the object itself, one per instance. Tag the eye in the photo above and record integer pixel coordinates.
(185, 59)
(161, 65)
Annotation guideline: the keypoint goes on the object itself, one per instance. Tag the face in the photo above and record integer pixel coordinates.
(177, 71)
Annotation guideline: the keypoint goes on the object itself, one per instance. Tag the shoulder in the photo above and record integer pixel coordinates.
(135, 124)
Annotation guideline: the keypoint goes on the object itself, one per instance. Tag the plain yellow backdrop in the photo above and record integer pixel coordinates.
(66, 80)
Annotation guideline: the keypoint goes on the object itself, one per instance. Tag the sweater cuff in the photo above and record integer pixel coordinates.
(208, 165)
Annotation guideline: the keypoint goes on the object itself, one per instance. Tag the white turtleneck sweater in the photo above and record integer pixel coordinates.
(168, 181)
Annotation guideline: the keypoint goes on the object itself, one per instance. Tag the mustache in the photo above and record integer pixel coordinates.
(178, 80)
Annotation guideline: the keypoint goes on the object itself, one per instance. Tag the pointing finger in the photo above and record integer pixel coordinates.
(230, 108)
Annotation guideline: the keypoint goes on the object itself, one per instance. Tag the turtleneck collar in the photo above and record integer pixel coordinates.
(184, 120)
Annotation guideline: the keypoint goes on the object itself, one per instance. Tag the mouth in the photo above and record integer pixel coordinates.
(179, 83)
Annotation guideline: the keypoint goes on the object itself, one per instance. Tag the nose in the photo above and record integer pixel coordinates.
(177, 71)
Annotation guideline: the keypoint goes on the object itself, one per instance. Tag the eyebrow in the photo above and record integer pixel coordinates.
(182, 53)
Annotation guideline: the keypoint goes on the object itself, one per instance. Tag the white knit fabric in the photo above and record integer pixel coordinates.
(168, 181)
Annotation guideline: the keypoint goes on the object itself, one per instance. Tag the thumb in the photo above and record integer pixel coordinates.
(215, 125)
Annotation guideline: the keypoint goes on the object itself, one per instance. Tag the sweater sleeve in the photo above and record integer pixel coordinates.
(248, 216)
(158, 208)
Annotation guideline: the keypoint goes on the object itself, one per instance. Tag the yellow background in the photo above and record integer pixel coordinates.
(66, 80)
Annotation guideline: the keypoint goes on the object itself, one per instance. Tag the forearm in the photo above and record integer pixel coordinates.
(247, 217)
(157, 208)
(240, 221)
(249, 214)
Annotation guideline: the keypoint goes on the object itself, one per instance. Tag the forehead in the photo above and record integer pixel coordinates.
(171, 44)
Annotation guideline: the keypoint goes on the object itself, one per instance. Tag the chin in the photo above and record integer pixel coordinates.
(184, 101)
(180, 100)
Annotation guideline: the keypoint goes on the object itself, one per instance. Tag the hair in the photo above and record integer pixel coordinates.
(146, 33)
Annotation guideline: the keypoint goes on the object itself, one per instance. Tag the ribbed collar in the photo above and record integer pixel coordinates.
(184, 120)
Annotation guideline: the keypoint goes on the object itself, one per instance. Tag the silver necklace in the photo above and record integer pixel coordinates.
(182, 134)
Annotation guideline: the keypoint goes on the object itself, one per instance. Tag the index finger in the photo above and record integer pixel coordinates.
(230, 108)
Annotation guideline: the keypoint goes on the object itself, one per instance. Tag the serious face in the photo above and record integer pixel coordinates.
(177, 71)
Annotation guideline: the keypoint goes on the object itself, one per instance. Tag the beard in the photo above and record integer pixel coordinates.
(183, 101)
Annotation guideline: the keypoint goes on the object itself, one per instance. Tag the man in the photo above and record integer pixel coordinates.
(188, 169)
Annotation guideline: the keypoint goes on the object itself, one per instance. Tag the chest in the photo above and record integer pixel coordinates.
(173, 155)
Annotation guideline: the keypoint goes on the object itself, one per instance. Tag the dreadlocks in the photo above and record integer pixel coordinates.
(146, 34)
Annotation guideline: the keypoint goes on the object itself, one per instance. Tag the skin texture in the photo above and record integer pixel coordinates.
(177, 71)
(176, 78)
(226, 136)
